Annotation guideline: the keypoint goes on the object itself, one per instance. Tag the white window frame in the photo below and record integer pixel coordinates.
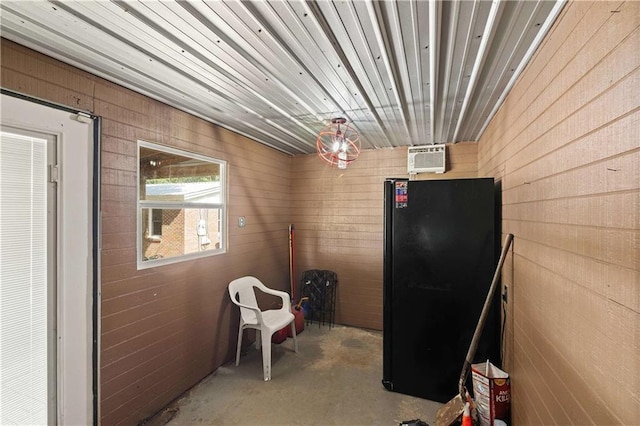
(179, 205)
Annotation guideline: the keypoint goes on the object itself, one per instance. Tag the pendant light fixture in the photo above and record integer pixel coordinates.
(338, 143)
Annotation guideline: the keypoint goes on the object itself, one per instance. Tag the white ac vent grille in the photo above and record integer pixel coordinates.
(426, 159)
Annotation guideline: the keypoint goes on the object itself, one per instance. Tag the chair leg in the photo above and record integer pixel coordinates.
(240, 330)
(266, 355)
(295, 339)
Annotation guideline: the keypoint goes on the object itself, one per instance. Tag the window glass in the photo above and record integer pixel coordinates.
(181, 205)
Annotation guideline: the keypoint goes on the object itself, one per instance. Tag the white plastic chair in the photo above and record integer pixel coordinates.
(242, 292)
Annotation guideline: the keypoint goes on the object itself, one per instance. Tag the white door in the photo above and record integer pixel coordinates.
(46, 265)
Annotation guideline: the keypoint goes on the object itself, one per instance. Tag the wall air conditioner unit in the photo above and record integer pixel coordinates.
(426, 159)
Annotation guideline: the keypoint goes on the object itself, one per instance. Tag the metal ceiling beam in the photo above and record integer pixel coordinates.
(405, 45)
(453, 28)
(284, 51)
(326, 28)
(310, 58)
(459, 75)
(141, 17)
(266, 15)
(197, 14)
(557, 8)
(382, 38)
(495, 71)
(435, 17)
(487, 35)
(421, 131)
(362, 60)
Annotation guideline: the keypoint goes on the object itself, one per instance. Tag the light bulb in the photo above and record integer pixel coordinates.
(336, 145)
(342, 160)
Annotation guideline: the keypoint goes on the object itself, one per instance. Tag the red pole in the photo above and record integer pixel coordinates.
(292, 268)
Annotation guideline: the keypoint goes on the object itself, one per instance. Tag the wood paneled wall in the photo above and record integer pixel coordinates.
(164, 328)
(566, 145)
(338, 215)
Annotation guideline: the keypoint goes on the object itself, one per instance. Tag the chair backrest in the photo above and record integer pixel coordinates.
(242, 290)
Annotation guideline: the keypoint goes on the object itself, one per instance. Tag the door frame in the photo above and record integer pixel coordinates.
(77, 250)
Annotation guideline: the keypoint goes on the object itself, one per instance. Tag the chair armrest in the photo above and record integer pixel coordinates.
(253, 308)
(286, 299)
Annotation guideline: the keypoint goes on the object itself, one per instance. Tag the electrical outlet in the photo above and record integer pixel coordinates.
(242, 222)
(505, 293)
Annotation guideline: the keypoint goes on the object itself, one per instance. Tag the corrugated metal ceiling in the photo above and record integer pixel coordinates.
(402, 72)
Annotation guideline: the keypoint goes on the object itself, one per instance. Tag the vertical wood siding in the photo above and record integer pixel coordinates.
(566, 145)
(338, 215)
(164, 328)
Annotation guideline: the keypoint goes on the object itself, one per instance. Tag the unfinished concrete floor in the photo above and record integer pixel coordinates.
(335, 379)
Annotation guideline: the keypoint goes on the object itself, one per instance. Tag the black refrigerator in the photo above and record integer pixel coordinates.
(440, 252)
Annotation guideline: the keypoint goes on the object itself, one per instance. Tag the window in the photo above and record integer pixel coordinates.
(181, 205)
